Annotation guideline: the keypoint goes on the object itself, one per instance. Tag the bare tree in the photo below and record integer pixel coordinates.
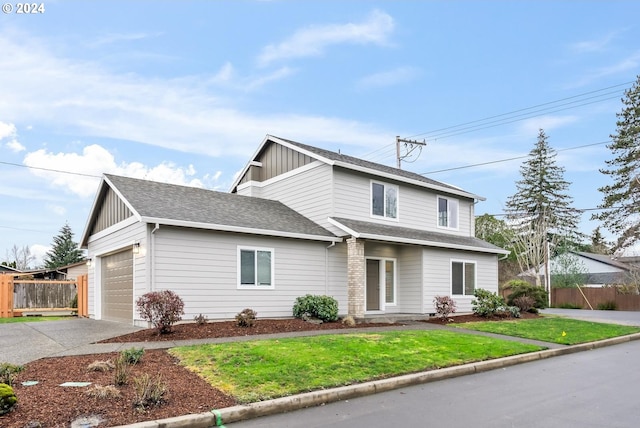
(22, 257)
(530, 246)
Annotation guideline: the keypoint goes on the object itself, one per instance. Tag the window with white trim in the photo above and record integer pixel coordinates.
(447, 213)
(255, 267)
(384, 200)
(463, 278)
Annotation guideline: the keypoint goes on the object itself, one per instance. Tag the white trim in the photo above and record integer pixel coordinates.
(240, 229)
(342, 227)
(280, 177)
(255, 163)
(475, 276)
(457, 219)
(113, 228)
(255, 250)
(384, 204)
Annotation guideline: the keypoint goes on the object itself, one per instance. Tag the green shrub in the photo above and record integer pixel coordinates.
(444, 306)
(8, 398)
(607, 306)
(246, 318)
(324, 308)
(161, 308)
(523, 288)
(568, 306)
(8, 373)
(486, 303)
(132, 355)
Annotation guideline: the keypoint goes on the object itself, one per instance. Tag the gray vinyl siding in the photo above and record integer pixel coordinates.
(417, 207)
(437, 275)
(410, 288)
(337, 277)
(201, 267)
(308, 192)
(117, 241)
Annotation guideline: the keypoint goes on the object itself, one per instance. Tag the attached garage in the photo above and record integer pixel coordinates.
(117, 286)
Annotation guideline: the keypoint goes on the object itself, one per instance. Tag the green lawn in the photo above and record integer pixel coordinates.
(564, 331)
(265, 369)
(31, 319)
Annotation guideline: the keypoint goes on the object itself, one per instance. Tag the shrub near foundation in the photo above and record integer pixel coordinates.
(324, 308)
(8, 398)
(161, 308)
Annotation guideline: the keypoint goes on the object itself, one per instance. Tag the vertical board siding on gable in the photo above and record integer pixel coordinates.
(437, 275)
(416, 205)
(201, 266)
(112, 211)
(276, 160)
(309, 193)
(114, 242)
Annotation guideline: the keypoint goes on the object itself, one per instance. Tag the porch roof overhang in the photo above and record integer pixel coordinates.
(405, 235)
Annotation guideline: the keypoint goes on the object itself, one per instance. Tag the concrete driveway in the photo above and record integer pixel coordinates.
(27, 341)
(613, 317)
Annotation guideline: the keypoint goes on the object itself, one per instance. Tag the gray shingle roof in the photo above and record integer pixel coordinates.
(603, 258)
(435, 238)
(371, 165)
(154, 200)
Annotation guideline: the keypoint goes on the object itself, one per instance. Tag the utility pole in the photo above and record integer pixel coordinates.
(407, 143)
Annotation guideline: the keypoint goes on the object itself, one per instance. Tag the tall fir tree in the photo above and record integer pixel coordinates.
(542, 194)
(541, 209)
(621, 200)
(64, 251)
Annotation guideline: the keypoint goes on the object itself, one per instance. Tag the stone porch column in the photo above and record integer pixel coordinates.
(356, 277)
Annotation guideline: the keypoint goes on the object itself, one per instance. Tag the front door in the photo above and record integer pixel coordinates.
(373, 285)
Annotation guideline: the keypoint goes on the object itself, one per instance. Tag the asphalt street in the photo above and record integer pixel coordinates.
(596, 388)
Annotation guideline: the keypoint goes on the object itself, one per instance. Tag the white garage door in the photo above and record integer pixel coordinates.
(117, 287)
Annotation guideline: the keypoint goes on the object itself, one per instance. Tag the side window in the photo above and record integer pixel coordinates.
(447, 213)
(255, 267)
(463, 278)
(384, 200)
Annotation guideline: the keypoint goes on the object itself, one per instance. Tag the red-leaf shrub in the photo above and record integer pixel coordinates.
(161, 308)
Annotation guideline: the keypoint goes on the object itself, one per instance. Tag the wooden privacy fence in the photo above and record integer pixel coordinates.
(38, 295)
(595, 296)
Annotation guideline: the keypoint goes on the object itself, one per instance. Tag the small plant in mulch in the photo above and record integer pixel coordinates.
(246, 318)
(444, 306)
(349, 321)
(121, 370)
(101, 366)
(201, 319)
(149, 391)
(103, 392)
(8, 372)
(161, 308)
(132, 355)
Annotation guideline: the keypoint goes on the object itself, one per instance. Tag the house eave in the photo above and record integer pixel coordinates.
(240, 229)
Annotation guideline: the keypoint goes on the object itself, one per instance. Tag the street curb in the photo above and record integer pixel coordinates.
(216, 417)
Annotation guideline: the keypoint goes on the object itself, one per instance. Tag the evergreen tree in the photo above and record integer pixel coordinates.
(621, 200)
(64, 251)
(541, 209)
(598, 244)
(542, 193)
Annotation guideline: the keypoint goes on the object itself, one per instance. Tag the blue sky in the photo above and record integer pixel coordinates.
(185, 91)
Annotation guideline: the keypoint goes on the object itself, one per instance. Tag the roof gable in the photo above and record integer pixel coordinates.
(353, 163)
(170, 204)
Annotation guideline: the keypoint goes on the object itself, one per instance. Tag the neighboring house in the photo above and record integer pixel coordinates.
(599, 270)
(8, 270)
(298, 220)
(71, 271)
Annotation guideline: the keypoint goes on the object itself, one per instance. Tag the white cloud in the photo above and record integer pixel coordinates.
(262, 80)
(112, 38)
(39, 251)
(594, 45)
(313, 40)
(7, 130)
(57, 209)
(389, 78)
(533, 125)
(624, 66)
(96, 160)
(15, 146)
(86, 99)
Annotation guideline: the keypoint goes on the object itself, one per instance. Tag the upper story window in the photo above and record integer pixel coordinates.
(384, 200)
(447, 212)
(255, 267)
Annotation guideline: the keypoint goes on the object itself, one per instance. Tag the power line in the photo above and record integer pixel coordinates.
(51, 170)
(513, 158)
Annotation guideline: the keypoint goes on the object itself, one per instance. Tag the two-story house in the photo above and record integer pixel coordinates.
(298, 220)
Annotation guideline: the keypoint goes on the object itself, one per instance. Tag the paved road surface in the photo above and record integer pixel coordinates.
(584, 390)
(615, 317)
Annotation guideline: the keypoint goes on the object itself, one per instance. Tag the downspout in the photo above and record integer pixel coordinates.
(326, 267)
(152, 270)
